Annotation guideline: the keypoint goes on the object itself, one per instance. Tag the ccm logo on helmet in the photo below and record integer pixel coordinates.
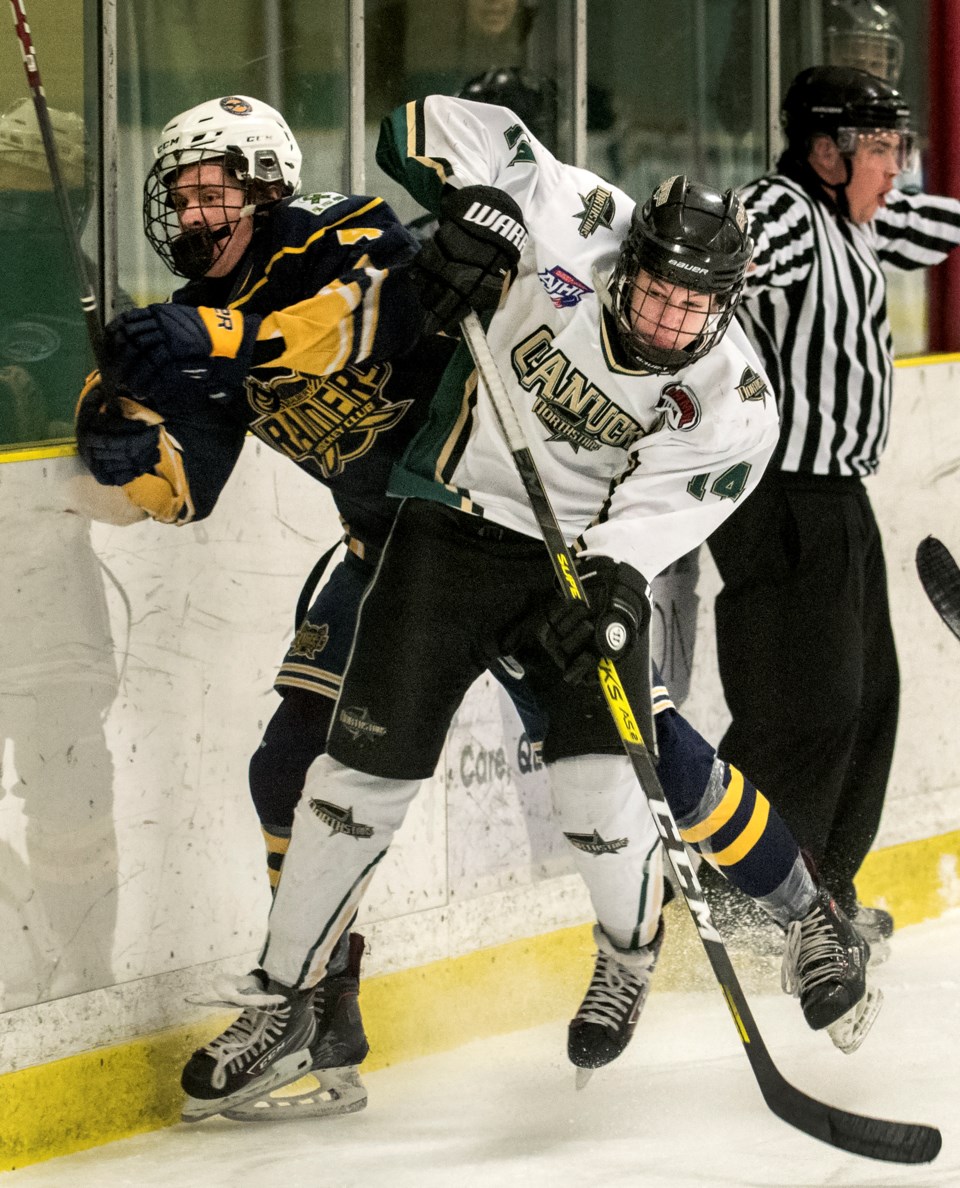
(680, 407)
(509, 229)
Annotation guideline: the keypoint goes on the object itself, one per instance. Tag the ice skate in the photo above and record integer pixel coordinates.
(332, 1086)
(266, 1047)
(824, 964)
(608, 1015)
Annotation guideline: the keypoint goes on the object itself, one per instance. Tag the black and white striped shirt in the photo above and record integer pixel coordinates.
(814, 306)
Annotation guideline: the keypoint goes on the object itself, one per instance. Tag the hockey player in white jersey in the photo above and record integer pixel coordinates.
(649, 418)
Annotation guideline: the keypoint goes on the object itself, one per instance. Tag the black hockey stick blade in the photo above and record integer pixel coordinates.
(874, 1138)
(940, 577)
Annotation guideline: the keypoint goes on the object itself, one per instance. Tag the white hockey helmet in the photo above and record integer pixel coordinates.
(233, 126)
(21, 144)
(254, 144)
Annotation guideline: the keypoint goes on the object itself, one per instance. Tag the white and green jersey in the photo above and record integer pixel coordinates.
(638, 467)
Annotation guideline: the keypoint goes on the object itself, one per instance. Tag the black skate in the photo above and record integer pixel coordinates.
(608, 1015)
(333, 1085)
(266, 1047)
(825, 964)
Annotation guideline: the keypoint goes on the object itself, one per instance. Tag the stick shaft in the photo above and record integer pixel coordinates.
(88, 297)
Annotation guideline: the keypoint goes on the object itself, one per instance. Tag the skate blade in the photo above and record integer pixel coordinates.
(850, 1030)
(322, 1093)
(289, 1068)
(583, 1075)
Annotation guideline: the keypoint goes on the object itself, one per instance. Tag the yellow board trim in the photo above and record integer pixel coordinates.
(111, 1093)
(37, 453)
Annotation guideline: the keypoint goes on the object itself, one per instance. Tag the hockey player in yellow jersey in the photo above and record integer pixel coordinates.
(296, 323)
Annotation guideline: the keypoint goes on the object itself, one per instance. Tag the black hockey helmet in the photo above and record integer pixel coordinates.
(690, 237)
(534, 99)
(841, 102)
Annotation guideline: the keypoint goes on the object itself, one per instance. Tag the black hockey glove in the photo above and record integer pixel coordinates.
(172, 354)
(575, 636)
(476, 246)
(115, 449)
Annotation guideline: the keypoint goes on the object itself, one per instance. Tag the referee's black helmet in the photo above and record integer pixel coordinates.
(826, 100)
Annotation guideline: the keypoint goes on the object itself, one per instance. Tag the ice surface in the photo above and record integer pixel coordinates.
(680, 1107)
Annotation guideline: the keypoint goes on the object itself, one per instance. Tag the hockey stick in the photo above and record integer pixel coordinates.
(88, 298)
(898, 1142)
(940, 577)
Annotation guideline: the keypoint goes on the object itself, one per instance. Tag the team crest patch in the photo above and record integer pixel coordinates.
(562, 287)
(310, 639)
(318, 203)
(752, 386)
(235, 105)
(339, 819)
(680, 407)
(324, 423)
(598, 211)
(593, 843)
(359, 725)
(662, 192)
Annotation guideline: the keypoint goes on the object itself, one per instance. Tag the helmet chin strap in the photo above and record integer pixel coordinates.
(840, 189)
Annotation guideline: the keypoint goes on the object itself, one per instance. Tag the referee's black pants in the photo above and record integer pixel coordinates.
(808, 663)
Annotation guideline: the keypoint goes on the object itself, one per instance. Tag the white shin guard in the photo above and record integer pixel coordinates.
(605, 816)
(342, 827)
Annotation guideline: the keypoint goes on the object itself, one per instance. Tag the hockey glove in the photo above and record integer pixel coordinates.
(115, 449)
(476, 247)
(174, 353)
(576, 636)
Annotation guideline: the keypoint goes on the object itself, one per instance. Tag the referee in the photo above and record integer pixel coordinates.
(805, 644)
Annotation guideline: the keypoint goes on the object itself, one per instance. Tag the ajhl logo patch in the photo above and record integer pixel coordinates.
(562, 287)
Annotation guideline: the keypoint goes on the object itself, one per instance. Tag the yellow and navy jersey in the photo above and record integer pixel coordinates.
(339, 380)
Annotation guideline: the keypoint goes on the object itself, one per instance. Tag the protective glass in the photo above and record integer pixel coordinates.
(899, 145)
